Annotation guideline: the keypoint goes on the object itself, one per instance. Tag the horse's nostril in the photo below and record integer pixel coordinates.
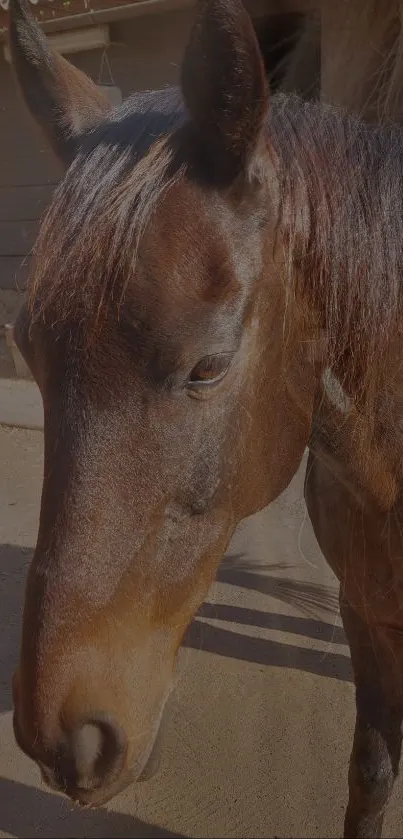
(87, 746)
(95, 754)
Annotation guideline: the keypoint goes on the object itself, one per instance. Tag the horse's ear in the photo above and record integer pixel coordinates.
(63, 100)
(224, 86)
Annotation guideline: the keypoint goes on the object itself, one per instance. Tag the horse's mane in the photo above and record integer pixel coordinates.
(88, 240)
(340, 219)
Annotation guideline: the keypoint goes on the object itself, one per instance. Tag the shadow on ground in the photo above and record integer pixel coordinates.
(263, 651)
(305, 596)
(14, 562)
(308, 597)
(55, 817)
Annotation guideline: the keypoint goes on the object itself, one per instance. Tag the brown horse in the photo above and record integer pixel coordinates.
(216, 285)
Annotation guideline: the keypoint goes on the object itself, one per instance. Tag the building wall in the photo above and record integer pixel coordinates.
(144, 53)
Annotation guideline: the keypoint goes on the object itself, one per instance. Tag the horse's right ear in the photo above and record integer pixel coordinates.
(63, 100)
(225, 88)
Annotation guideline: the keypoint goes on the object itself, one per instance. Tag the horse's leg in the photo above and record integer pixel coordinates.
(354, 549)
(376, 749)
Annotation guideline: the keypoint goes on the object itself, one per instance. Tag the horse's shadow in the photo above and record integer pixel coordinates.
(307, 597)
(26, 811)
(14, 562)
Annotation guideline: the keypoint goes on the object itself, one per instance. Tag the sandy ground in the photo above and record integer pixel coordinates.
(261, 722)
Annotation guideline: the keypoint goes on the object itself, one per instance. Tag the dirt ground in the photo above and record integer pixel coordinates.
(261, 721)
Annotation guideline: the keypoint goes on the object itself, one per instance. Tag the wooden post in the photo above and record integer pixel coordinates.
(303, 74)
(362, 57)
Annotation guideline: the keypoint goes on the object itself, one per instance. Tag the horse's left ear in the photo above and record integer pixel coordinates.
(62, 99)
(225, 89)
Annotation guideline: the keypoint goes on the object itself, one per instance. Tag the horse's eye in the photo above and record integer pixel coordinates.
(210, 370)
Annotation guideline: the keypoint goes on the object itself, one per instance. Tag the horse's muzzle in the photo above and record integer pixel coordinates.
(89, 763)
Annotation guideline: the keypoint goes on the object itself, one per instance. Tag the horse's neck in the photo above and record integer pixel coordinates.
(338, 182)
